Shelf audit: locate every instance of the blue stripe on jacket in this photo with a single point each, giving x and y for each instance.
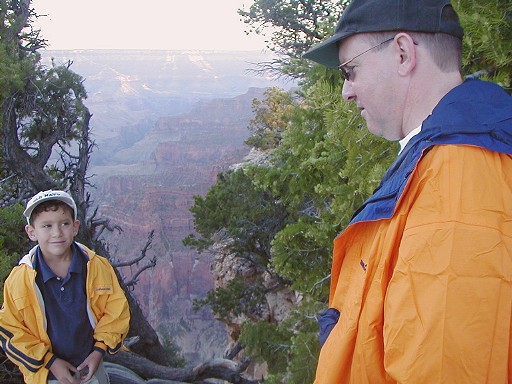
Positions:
(28, 362)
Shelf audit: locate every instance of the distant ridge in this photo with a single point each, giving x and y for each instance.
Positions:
(166, 123)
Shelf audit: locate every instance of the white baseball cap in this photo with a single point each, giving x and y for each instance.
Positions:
(48, 195)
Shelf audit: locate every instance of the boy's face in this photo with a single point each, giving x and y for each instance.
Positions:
(54, 231)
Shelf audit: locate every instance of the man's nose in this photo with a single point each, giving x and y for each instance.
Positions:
(347, 92)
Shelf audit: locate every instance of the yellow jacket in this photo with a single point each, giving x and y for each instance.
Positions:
(23, 321)
(426, 295)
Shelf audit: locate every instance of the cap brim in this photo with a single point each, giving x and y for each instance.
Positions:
(326, 53)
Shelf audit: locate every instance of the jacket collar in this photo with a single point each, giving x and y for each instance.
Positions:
(30, 258)
(475, 113)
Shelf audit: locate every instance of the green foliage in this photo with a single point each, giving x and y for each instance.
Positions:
(293, 26)
(322, 164)
(59, 103)
(267, 342)
(324, 168)
(247, 218)
(487, 39)
(173, 352)
(238, 297)
(13, 240)
(251, 218)
(305, 343)
(271, 118)
(16, 63)
(41, 111)
(290, 348)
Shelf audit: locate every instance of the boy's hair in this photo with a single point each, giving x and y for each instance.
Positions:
(50, 205)
(50, 195)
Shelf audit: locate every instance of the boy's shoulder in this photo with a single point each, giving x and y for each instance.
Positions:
(95, 259)
(20, 280)
(88, 251)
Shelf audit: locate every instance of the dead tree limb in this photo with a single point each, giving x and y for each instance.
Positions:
(141, 255)
(222, 369)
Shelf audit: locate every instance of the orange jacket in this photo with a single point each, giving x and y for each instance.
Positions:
(426, 296)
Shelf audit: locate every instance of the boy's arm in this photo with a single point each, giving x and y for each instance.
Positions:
(113, 326)
(18, 333)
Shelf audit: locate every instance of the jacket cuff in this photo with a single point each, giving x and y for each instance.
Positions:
(49, 358)
(327, 320)
(100, 347)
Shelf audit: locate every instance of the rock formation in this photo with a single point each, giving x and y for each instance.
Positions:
(178, 159)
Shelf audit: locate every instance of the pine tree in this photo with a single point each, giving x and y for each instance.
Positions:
(322, 164)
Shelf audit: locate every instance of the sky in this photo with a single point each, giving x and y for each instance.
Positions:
(145, 24)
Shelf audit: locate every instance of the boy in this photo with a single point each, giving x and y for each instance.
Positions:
(63, 305)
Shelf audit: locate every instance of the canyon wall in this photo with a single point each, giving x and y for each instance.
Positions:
(165, 124)
(178, 159)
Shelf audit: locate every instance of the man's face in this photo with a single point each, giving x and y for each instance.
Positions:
(54, 230)
(372, 84)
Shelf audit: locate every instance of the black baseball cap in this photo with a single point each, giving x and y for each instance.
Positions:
(434, 16)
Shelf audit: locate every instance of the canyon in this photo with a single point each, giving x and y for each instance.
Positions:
(166, 123)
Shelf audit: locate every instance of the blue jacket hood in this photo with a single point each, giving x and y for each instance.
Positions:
(475, 113)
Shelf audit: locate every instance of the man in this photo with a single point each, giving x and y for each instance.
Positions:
(421, 286)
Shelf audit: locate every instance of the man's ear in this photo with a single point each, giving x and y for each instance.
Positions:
(30, 232)
(406, 48)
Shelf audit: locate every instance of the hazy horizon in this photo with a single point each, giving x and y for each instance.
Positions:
(157, 24)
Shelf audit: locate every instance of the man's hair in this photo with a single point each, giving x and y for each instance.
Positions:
(445, 50)
(50, 205)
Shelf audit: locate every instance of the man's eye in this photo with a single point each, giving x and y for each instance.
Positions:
(347, 72)
(350, 71)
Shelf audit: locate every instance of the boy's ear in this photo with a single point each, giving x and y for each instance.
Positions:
(76, 225)
(30, 232)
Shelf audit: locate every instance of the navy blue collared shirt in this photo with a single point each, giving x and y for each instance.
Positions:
(65, 299)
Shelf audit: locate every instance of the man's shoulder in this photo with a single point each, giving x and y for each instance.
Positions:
(465, 154)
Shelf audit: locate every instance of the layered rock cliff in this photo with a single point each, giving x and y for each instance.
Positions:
(165, 124)
(179, 158)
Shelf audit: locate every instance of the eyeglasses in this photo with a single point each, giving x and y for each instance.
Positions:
(346, 72)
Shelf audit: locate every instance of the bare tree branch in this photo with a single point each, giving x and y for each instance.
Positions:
(142, 254)
(222, 369)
